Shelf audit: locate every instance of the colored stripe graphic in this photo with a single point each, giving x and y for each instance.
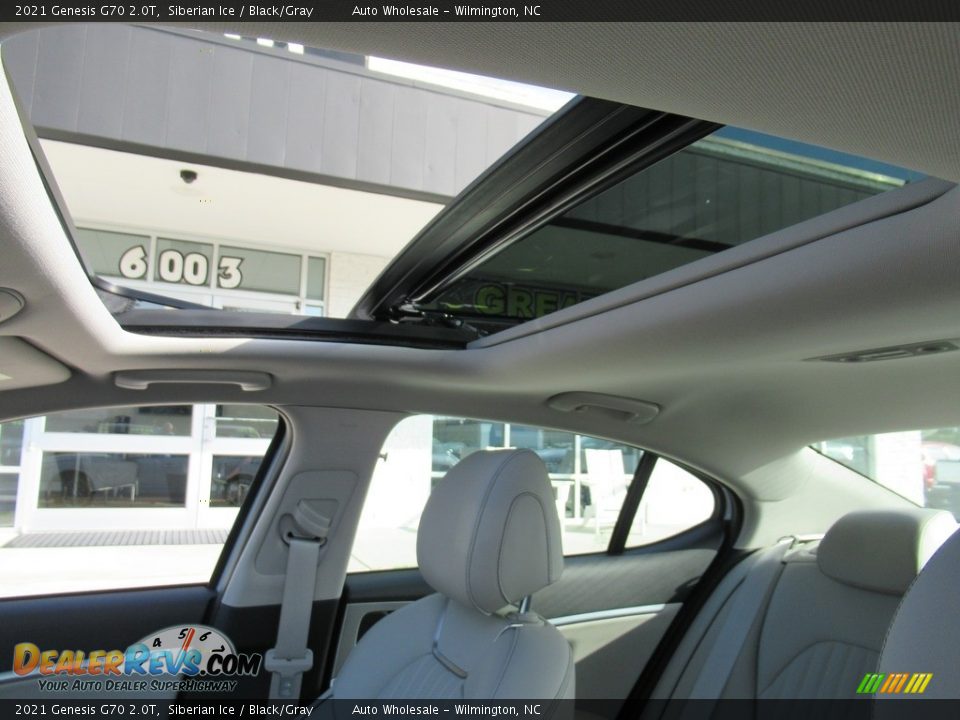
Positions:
(900, 684)
(870, 683)
(894, 683)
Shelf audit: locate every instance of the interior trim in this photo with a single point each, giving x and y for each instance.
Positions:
(612, 614)
(142, 379)
(22, 365)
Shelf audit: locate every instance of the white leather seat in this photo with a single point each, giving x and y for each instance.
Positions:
(489, 537)
(822, 624)
(925, 634)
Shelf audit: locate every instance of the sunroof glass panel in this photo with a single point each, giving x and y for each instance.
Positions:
(729, 188)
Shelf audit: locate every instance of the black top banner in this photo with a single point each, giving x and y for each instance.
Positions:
(527, 11)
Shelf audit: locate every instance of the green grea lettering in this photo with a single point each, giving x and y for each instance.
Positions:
(490, 300)
(521, 302)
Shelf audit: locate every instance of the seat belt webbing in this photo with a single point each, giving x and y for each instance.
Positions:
(290, 657)
(750, 596)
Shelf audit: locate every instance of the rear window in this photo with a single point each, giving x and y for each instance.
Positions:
(921, 465)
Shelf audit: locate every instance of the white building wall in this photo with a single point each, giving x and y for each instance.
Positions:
(349, 275)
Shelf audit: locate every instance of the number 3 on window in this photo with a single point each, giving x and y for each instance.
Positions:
(229, 275)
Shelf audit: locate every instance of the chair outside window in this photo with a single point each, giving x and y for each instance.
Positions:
(608, 487)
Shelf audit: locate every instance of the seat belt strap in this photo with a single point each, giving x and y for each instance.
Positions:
(748, 601)
(290, 657)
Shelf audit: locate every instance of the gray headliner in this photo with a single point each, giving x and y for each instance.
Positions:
(724, 356)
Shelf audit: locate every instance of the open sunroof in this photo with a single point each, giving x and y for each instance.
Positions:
(723, 190)
(219, 213)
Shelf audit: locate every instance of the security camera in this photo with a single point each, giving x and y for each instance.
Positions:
(188, 176)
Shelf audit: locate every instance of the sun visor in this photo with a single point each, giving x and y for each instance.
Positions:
(22, 365)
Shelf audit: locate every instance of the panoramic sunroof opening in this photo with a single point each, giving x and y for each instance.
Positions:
(224, 172)
(729, 188)
(244, 173)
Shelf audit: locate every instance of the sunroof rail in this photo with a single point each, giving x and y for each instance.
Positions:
(649, 143)
(210, 322)
(665, 193)
(581, 151)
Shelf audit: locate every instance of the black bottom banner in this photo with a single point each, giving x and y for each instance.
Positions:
(860, 709)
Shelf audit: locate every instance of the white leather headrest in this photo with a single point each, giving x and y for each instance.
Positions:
(490, 534)
(883, 550)
(924, 636)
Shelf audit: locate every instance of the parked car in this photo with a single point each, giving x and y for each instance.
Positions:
(941, 475)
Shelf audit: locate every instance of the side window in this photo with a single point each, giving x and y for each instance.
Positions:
(673, 501)
(590, 478)
(124, 497)
(922, 466)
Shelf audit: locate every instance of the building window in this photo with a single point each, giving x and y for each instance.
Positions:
(112, 480)
(161, 420)
(226, 276)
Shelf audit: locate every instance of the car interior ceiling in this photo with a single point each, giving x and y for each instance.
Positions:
(734, 353)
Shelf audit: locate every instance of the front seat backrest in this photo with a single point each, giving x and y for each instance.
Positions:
(489, 537)
(924, 636)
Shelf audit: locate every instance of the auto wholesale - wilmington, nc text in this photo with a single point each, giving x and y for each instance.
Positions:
(466, 11)
(481, 709)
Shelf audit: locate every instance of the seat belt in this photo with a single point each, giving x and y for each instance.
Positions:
(290, 657)
(750, 596)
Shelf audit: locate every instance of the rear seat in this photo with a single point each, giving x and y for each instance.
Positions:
(806, 619)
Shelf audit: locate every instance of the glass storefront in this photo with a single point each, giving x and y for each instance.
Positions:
(112, 480)
(225, 275)
(11, 443)
(246, 421)
(176, 466)
(163, 420)
(232, 478)
(9, 481)
(11, 438)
